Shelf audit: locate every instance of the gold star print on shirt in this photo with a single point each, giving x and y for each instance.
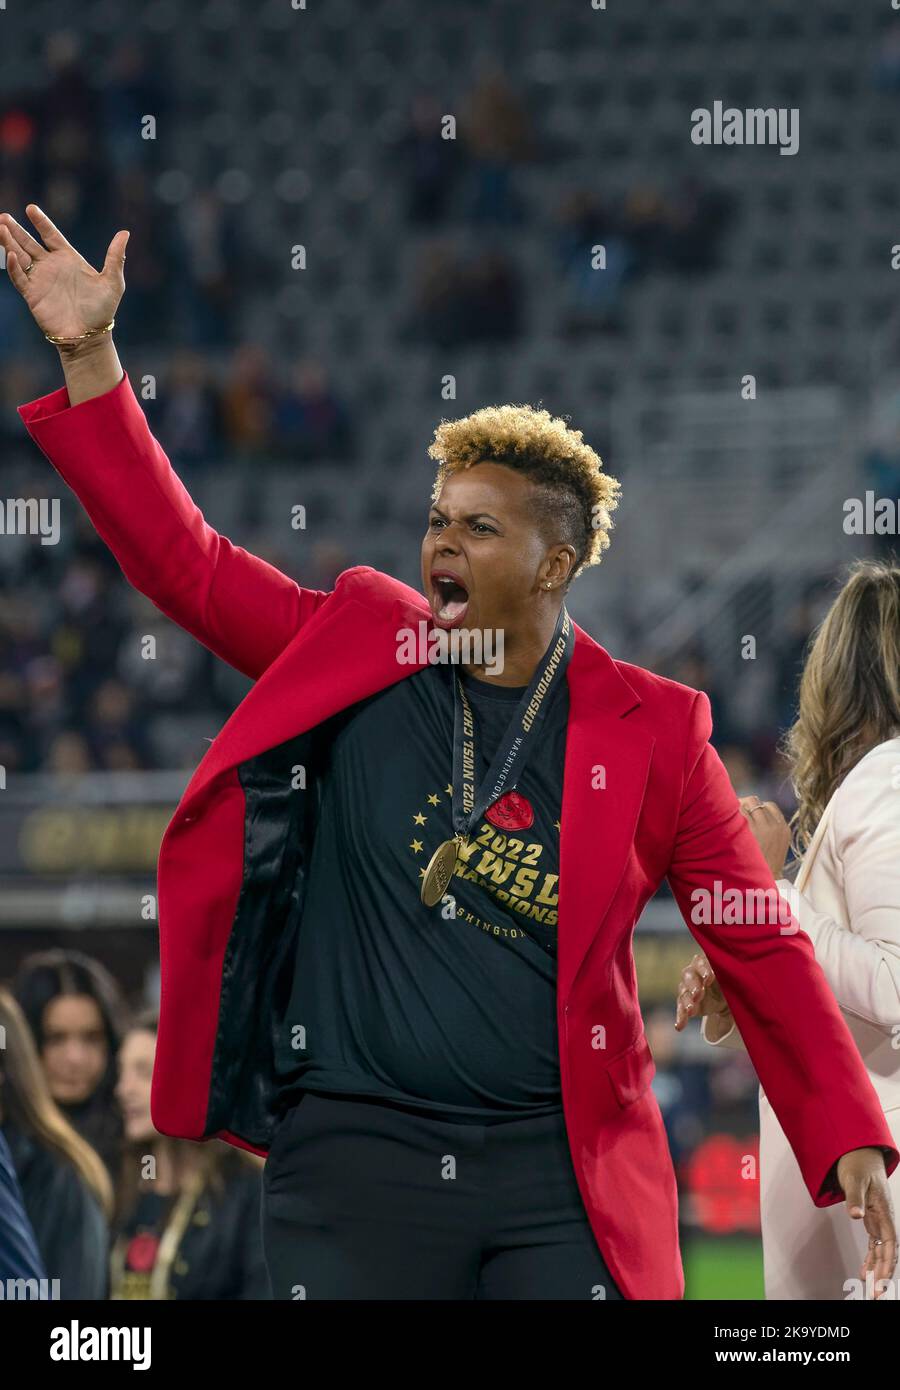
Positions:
(502, 864)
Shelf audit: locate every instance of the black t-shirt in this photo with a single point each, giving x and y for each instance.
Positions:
(453, 1007)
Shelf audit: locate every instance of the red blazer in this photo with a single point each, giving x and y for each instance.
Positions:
(663, 807)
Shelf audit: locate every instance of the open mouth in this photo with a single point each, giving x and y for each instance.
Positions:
(450, 598)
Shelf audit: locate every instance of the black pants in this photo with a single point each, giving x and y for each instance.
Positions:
(367, 1200)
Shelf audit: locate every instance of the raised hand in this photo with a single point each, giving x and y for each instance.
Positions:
(65, 294)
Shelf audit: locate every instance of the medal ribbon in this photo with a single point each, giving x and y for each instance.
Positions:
(468, 805)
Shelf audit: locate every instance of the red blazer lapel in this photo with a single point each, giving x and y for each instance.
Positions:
(607, 762)
(347, 652)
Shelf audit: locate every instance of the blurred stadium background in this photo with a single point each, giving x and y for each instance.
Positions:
(437, 275)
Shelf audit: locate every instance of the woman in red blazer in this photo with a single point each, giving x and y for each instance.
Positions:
(396, 907)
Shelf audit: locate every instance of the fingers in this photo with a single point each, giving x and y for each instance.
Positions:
(769, 810)
(704, 969)
(20, 237)
(885, 1263)
(52, 237)
(688, 1005)
(695, 980)
(881, 1258)
(692, 981)
(115, 255)
(15, 272)
(854, 1196)
(880, 1262)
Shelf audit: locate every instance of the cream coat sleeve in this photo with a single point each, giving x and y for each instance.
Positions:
(730, 1039)
(862, 964)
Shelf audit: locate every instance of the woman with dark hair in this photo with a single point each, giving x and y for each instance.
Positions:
(187, 1222)
(76, 1014)
(397, 899)
(843, 750)
(65, 1187)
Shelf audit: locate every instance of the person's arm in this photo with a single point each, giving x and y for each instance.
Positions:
(798, 1042)
(721, 1033)
(70, 1229)
(862, 965)
(96, 436)
(19, 1256)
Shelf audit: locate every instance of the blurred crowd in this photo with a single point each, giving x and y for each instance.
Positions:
(92, 1196)
(470, 288)
(73, 695)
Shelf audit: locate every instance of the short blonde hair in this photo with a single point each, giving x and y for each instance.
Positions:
(575, 497)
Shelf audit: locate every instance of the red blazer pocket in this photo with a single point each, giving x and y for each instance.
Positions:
(632, 1071)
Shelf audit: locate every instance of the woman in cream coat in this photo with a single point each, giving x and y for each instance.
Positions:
(844, 754)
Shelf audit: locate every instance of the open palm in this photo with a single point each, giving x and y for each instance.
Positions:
(65, 294)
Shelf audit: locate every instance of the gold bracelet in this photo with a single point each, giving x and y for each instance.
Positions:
(90, 333)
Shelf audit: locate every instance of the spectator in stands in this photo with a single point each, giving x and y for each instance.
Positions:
(71, 145)
(432, 163)
(133, 90)
(697, 216)
(187, 1220)
(328, 560)
(206, 258)
(740, 767)
(693, 668)
(438, 313)
(498, 135)
(681, 1086)
(88, 629)
(592, 292)
(789, 656)
(311, 421)
(27, 672)
(114, 732)
(886, 68)
(248, 400)
(76, 1014)
(187, 410)
(65, 1187)
(18, 751)
(151, 254)
(461, 300)
(68, 754)
(645, 224)
(493, 298)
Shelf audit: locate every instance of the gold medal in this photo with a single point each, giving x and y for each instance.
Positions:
(439, 871)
